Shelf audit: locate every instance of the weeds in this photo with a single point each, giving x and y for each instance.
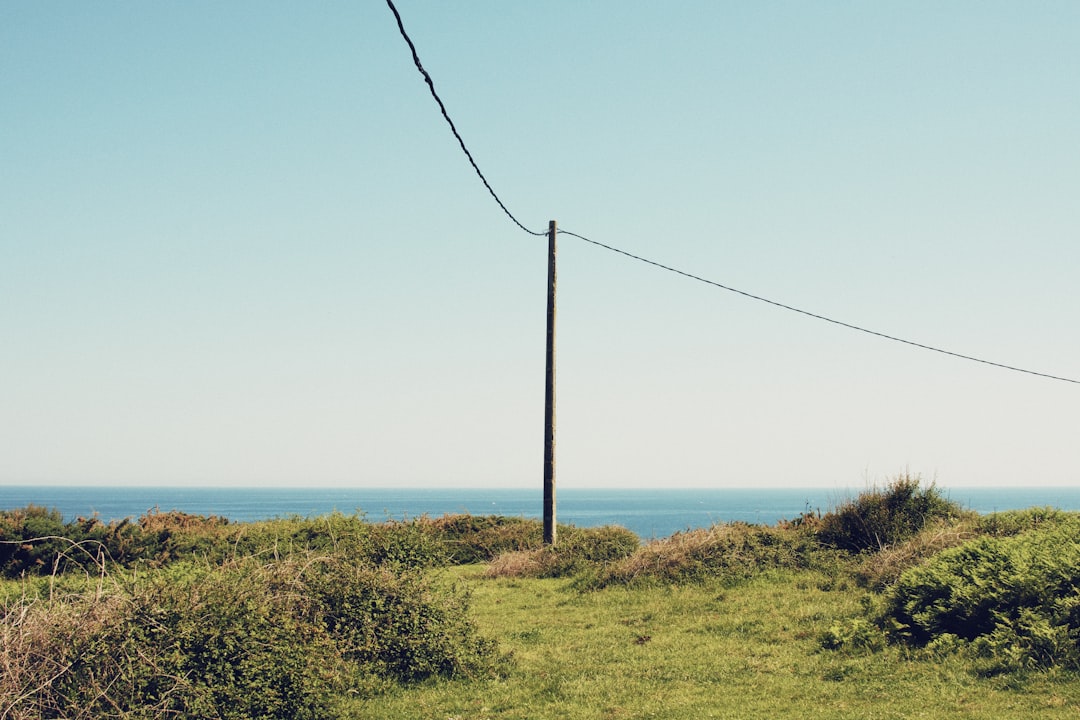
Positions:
(250, 638)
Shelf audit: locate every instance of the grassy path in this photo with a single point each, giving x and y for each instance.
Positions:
(751, 651)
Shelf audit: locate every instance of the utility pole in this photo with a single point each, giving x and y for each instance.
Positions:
(549, 399)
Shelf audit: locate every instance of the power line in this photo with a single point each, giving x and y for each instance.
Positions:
(461, 141)
(445, 114)
(815, 315)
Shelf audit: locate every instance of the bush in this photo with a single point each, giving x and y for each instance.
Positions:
(879, 518)
(18, 555)
(470, 539)
(397, 624)
(34, 540)
(857, 636)
(1014, 522)
(249, 639)
(1017, 597)
(166, 537)
(880, 569)
(211, 643)
(578, 550)
(37, 541)
(731, 552)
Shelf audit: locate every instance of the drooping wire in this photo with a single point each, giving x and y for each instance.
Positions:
(814, 315)
(472, 161)
(453, 128)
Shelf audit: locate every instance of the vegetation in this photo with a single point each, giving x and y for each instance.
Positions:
(883, 517)
(895, 601)
(580, 551)
(706, 650)
(249, 638)
(1013, 601)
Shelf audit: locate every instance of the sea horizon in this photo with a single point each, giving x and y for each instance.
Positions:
(648, 512)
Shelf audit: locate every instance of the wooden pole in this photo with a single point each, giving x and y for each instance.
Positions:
(549, 399)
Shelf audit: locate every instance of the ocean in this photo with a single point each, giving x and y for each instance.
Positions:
(648, 513)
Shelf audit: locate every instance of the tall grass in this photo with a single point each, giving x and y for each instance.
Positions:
(881, 517)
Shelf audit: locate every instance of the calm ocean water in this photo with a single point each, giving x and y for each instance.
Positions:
(649, 513)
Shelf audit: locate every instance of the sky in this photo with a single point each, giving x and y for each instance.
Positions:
(239, 245)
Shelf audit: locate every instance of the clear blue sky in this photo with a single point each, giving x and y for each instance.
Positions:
(239, 246)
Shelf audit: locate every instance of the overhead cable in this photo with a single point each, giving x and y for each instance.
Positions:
(815, 315)
(461, 142)
(446, 115)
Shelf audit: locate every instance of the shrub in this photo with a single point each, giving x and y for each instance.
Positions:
(1029, 641)
(578, 550)
(1014, 522)
(166, 537)
(879, 570)
(516, 564)
(37, 541)
(211, 643)
(480, 538)
(879, 518)
(1018, 596)
(391, 543)
(731, 552)
(857, 636)
(396, 624)
(248, 639)
(31, 540)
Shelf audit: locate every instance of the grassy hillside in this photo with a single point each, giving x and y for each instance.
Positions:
(896, 604)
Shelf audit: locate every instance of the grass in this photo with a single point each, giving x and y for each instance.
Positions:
(705, 650)
(335, 617)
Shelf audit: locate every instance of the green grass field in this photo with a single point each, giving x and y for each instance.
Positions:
(706, 651)
(897, 604)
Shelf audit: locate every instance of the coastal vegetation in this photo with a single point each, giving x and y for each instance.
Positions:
(895, 603)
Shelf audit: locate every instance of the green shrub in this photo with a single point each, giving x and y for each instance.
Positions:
(857, 636)
(1014, 522)
(879, 518)
(396, 544)
(468, 539)
(880, 569)
(578, 550)
(604, 544)
(1018, 596)
(206, 643)
(37, 541)
(1030, 640)
(396, 624)
(731, 552)
(34, 540)
(581, 549)
(244, 640)
(173, 536)
(31, 540)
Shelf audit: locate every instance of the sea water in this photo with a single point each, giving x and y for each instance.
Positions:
(648, 513)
